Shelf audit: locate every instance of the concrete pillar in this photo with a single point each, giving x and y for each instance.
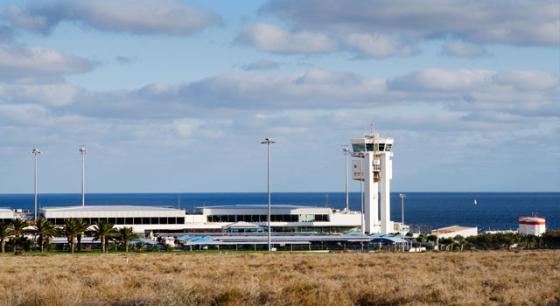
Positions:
(385, 184)
(371, 201)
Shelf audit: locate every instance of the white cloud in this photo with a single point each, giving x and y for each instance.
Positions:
(133, 16)
(443, 80)
(518, 92)
(462, 49)
(271, 38)
(377, 45)
(17, 62)
(529, 80)
(53, 94)
(32, 115)
(191, 124)
(524, 22)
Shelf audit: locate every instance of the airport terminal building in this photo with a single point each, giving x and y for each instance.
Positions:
(211, 219)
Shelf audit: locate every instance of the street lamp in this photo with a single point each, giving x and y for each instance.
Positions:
(83, 152)
(35, 152)
(268, 142)
(402, 196)
(346, 152)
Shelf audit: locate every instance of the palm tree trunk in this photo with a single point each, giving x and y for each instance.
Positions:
(102, 244)
(126, 246)
(15, 244)
(3, 245)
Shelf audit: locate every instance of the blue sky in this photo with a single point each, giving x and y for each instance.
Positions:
(175, 96)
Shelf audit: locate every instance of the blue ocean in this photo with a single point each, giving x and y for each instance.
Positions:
(425, 209)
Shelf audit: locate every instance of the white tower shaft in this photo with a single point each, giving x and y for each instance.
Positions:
(386, 176)
(371, 198)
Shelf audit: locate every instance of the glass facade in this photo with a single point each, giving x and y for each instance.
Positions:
(371, 147)
(127, 220)
(358, 147)
(263, 218)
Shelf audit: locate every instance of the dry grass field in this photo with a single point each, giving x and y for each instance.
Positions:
(480, 278)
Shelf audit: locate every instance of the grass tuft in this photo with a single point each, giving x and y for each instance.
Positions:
(469, 278)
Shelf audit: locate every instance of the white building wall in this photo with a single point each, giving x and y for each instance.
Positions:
(466, 232)
(345, 219)
(532, 229)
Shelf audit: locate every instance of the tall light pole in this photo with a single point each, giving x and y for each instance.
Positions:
(402, 196)
(268, 142)
(83, 152)
(346, 152)
(35, 152)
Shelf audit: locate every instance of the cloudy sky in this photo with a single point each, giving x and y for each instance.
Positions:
(175, 96)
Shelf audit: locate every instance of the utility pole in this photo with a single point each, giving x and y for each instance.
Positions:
(346, 152)
(83, 152)
(402, 196)
(35, 152)
(268, 142)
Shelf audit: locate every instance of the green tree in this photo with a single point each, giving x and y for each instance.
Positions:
(460, 241)
(81, 227)
(5, 234)
(44, 230)
(125, 235)
(445, 243)
(103, 231)
(551, 239)
(19, 229)
(72, 228)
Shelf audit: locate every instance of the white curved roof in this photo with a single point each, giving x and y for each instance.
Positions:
(6, 213)
(103, 211)
(93, 208)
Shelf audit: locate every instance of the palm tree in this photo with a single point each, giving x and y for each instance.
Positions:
(18, 230)
(5, 233)
(72, 228)
(44, 230)
(125, 235)
(81, 227)
(460, 240)
(102, 231)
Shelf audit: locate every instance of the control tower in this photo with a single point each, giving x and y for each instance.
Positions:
(374, 166)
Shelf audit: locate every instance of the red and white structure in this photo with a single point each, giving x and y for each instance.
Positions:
(532, 226)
